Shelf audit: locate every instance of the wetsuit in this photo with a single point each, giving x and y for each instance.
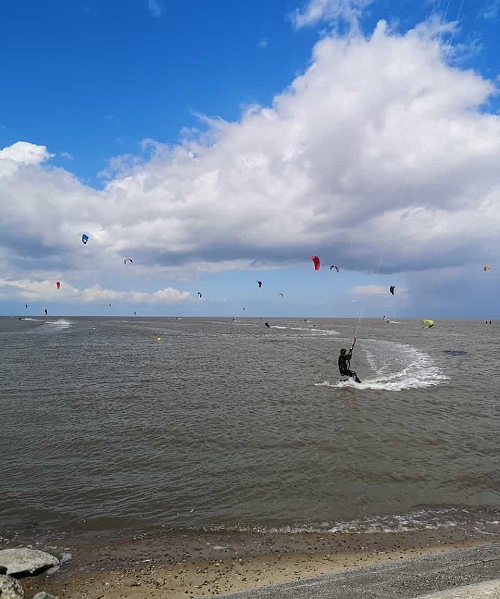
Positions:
(344, 366)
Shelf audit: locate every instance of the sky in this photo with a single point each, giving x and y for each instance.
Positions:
(217, 144)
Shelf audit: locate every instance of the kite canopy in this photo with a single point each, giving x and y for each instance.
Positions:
(85, 238)
(392, 288)
(58, 284)
(316, 261)
(486, 267)
(335, 267)
(427, 323)
(128, 260)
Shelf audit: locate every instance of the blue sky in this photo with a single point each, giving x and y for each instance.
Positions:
(219, 144)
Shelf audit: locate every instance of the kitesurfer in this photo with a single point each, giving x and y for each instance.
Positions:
(345, 364)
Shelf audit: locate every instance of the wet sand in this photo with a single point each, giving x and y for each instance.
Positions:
(198, 565)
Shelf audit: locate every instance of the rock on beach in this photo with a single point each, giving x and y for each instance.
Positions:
(22, 561)
(10, 588)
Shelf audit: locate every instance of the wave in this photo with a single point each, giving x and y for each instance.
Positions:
(61, 323)
(483, 522)
(397, 366)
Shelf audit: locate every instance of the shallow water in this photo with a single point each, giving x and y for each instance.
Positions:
(230, 425)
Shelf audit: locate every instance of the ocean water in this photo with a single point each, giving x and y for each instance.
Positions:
(130, 426)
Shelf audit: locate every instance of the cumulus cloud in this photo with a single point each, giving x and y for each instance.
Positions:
(25, 153)
(21, 153)
(381, 153)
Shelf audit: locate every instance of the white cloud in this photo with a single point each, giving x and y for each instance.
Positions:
(19, 154)
(369, 290)
(47, 290)
(155, 7)
(23, 152)
(490, 10)
(381, 154)
(315, 11)
(263, 43)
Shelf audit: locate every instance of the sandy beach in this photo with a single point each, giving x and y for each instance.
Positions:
(206, 564)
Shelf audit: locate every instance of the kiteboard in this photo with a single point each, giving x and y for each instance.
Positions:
(351, 378)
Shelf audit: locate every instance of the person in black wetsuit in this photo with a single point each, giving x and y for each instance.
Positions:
(345, 364)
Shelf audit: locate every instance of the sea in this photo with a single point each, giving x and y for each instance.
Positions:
(122, 427)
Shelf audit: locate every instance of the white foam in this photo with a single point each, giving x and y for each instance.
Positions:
(59, 324)
(397, 366)
(418, 520)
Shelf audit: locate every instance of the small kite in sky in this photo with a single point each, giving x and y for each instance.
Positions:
(85, 238)
(260, 284)
(335, 267)
(316, 261)
(128, 260)
(199, 294)
(486, 267)
(58, 284)
(392, 288)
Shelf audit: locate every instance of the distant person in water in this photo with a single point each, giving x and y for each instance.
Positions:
(345, 364)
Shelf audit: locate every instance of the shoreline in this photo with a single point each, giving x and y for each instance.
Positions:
(203, 564)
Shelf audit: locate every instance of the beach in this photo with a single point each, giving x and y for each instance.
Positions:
(207, 564)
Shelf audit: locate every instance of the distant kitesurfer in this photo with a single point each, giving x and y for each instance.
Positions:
(345, 364)
(267, 324)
